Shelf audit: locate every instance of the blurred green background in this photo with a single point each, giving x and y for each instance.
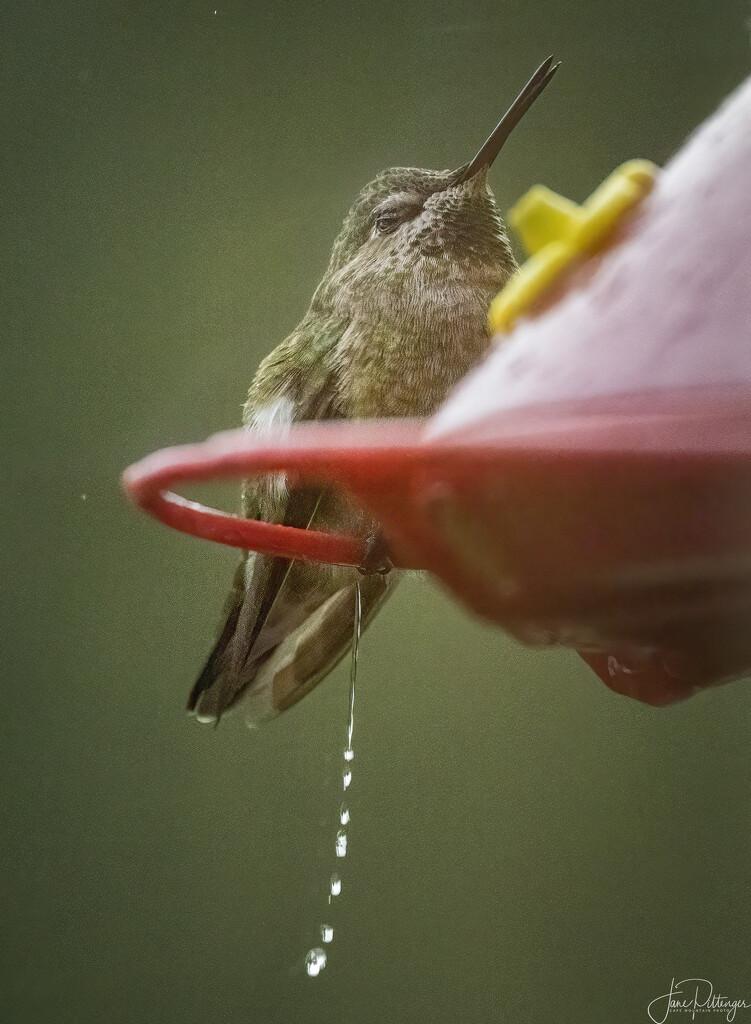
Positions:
(525, 845)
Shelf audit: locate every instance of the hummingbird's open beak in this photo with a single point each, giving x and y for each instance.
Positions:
(508, 122)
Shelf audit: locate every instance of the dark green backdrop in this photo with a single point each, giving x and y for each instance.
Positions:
(525, 845)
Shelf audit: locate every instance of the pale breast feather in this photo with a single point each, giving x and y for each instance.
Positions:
(274, 418)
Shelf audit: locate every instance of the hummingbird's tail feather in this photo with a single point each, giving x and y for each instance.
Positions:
(306, 655)
(300, 642)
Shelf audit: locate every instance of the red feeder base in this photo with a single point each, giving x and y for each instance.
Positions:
(624, 533)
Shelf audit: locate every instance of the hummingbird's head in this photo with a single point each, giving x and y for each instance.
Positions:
(407, 213)
(411, 233)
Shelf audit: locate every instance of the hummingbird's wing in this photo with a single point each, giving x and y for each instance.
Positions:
(254, 589)
(307, 653)
(287, 623)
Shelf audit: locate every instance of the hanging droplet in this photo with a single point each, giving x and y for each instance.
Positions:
(356, 627)
(315, 961)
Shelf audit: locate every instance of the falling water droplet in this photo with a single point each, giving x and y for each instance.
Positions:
(315, 961)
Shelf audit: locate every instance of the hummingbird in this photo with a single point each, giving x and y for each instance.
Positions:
(398, 319)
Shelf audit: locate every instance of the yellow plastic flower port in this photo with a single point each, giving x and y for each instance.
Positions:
(555, 232)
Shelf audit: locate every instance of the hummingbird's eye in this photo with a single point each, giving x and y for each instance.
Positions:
(388, 221)
(395, 211)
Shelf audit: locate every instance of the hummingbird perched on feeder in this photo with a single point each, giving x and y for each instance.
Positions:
(398, 319)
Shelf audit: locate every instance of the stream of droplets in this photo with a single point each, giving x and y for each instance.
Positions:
(316, 958)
